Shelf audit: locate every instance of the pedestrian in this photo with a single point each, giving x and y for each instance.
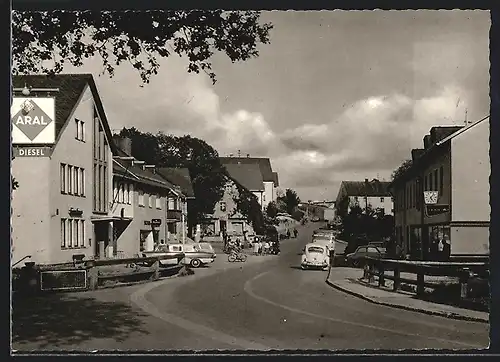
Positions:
(288, 234)
(295, 233)
(446, 247)
(260, 247)
(440, 247)
(266, 247)
(256, 246)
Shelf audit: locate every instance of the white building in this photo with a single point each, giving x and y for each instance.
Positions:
(374, 194)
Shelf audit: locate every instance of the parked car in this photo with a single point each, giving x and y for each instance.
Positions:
(356, 259)
(198, 254)
(195, 254)
(315, 256)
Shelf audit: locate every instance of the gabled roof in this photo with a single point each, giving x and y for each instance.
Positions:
(71, 88)
(179, 177)
(361, 188)
(136, 173)
(460, 131)
(263, 162)
(246, 174)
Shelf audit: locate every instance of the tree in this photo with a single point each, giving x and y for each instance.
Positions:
(406, 165)
(272, 210)
(202, 160)
(137, 37)
(248, 205)
(290, 200)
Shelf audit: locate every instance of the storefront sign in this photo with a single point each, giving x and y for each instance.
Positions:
(156, 222)
(33, 120)
(147, 222)
(433, 210)
(31, 151)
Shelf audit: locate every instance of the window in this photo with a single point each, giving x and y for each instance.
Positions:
(441, 180)
(74, 181)
(381, 199)
(63, 178)
(115, 190)
(150, 201)
(222, 206)
(121, 194)
(172, 204)
(72, 233)
(435, 180)
(81, 188)
(70, 180)
(80, 130)
(158, 202)
(100, 169)
(430, 182)
(141, 198)
(128, 197)
(172, 228)
(425, 184)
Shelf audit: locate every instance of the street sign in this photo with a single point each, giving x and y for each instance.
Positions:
(433, 210)
(156, 222)
(27, 151)
(33, 120)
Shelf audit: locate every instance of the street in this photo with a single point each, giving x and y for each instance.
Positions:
(266, 303)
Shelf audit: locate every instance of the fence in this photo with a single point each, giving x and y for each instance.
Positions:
(463, 270)
(86, 275)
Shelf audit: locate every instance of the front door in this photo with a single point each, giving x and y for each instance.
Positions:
(101, 230)
(223, 226)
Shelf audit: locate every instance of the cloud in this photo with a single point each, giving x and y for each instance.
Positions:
(176, 102)
(369, 139)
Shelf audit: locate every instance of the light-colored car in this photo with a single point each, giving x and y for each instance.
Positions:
(195, 254)
(356, 259)
(315, 256)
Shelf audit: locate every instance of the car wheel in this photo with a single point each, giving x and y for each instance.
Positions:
(195, 263)
(355, 263)
(243, 257)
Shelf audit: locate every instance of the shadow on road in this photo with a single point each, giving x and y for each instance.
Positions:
(59, 320)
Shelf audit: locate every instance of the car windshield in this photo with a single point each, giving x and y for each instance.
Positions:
(315, 249)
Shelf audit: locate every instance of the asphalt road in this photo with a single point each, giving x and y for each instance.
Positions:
(275, 305)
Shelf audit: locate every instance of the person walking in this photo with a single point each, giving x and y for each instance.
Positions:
(266, 247)
(256, 246)
(295, 233)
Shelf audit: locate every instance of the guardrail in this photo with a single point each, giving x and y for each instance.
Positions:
(463, 270)
(62, 276)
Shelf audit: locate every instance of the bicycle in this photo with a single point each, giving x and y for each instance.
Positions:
(235, 256)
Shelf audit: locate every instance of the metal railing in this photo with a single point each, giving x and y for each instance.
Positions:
(463, 270)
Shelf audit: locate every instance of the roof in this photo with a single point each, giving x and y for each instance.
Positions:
(362, 188)
(179, 177)
(135, 172)
(247, 175)
(263, 162)
(71, 88)
(460, 131)
(276, 180)
(444, 136)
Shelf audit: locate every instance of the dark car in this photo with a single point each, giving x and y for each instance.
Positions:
(356, 259)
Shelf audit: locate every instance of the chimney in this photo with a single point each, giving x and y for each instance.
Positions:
(123, 143)
(427, 141)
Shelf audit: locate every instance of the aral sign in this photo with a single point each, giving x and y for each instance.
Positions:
(33, 120)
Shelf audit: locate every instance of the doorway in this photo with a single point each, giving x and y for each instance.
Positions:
(223, 227)
(101, 237)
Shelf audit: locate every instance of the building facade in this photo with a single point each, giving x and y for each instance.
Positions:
(62, 206)
(454, 164)
(261, 165)
(226, 217)
(373, 194)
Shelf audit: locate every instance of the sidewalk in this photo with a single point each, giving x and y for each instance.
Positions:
(348, 281)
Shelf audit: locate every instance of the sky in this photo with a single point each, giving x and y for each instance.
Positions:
(336, 95)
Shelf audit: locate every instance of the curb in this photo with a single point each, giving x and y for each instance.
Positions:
(412, 309)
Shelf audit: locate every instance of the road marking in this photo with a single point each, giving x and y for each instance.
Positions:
(138, 297)
(248, 289)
